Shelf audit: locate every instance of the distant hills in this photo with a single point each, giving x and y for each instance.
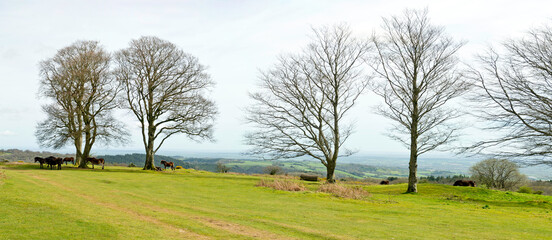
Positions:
(356, 166)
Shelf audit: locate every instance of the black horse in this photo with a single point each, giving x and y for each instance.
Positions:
(40, 160)
(464, 183)
(51, 160)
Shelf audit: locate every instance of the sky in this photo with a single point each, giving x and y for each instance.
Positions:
(235, 40)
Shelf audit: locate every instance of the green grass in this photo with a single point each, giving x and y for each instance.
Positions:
(128, 203)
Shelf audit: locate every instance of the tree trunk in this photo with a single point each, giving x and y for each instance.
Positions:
(413, 164)
(80, 155)
(149, 165)
(84, 161)
(149, 159)
(85, 155)
(413, 168)
(330, 168)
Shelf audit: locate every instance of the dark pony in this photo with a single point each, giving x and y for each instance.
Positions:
(69, 159)
(168, 164)
(464, 183)
(96, 161)
(40, 160)
(51, 161)
(384, 182)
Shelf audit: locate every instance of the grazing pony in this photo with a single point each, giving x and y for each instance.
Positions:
(51, 161)
(168, 164)
(40, 160)
(96, 161)
(384, 182)
(464, 183)
(69, 159)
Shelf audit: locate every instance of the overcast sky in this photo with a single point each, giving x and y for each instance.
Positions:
(235, 39)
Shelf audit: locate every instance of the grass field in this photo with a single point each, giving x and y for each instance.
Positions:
(128, 203)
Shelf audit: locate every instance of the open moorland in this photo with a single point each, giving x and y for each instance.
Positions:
(128, 203)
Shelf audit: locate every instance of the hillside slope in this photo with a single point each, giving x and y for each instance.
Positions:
(128, 203)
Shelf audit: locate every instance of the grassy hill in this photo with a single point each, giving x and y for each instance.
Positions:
(128, 203)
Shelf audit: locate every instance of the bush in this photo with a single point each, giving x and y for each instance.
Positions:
(525, 189)
(282, 184)
(179, 167)
(221, 168)
(538, 192)
(131, 165)
(343, 191)
(497, 174)
(272, 170)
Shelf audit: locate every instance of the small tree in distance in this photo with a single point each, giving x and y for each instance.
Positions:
(301, 107)
(222, 168)
(165, 88)
(497, 174)
(272, 170)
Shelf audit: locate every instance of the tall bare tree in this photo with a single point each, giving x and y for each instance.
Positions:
(515, 98)
(165, 89)
(301, 106)
(83, 91)
(416, 63)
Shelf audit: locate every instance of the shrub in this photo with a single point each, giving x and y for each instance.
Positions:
(131, 165)
(272, 170)
(179, 167)
(498, 174)
(525, 189)
(538, 192)
(221, 168)
(343, 191)
(282, 184)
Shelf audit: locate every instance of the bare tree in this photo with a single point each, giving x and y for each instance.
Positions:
(165, 89)
(83, 91)
(301, 107)
(515, 98)
(497, 173)
(416, 63)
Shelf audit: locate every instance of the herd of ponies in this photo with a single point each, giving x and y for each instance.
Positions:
(52, 161)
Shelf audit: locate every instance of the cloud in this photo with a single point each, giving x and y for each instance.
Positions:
(7, 133)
